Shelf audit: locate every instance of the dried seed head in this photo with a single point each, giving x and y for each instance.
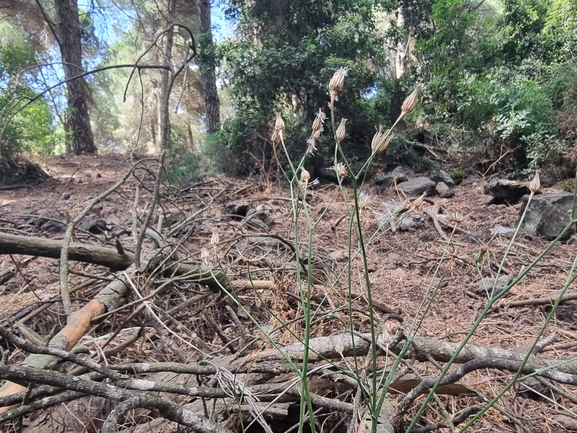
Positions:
(457, 217)
(380, 143)
(275, 137)
(339, 344)
(279, 123)
(340, 134)
(214, 239)
(535, 184)
(418, 202)
(401, 210)
(337, 82)
(364, 200)
(267, 331)
(305, 177)
(319, 120)
(411, 102)
(311, 148)
(377, 138)
(317, 133)
(341, 169)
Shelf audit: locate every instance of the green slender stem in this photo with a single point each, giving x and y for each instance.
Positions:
(570, 279)
(484, 312)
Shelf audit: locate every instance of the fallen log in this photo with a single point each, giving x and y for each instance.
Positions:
(111, 258)
(36, 246)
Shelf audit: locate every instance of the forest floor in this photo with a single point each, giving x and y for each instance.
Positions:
(405, 268)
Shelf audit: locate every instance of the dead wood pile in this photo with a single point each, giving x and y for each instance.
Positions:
(187, 310)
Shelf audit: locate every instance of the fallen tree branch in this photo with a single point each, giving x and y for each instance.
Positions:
(477, 364)
(164, 407)
(422, 349)
(36, 246)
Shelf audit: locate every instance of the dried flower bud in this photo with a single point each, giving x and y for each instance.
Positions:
(411, 102)
(457, 217)
(535, 184)
(378, 144)
(317, 133)
(364, 200)
(311, 148)
(205, 256)
(337, 82)
(418, 202)
(340, 134)
(214, 239)
(275, 138)
(305, 177)
(319, 120)
(279, 123)
(377, 138)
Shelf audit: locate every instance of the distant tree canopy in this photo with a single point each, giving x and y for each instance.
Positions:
(497, 74)
(285, 52)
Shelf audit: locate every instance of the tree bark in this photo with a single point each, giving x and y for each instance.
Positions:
(207, 65)
(69, 41)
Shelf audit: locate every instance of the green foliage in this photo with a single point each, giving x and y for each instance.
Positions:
(187, 165)
(459, 175)
(285, 55)
(25, 127)
(496, 74)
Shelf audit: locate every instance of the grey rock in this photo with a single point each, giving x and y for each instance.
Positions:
(327, 174)
(238, 208)
(437, 173)
(400, 173)
(410, 157)
(417, 186)
(505, 191)
(94, 226)
(52, 226)
(487, 200)
(443, 190)
(383, 180)
(547, 214)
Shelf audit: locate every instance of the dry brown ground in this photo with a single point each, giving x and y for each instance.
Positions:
(403, 264)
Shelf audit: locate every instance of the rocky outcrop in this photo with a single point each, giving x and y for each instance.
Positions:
(505, 191)
(548, 214)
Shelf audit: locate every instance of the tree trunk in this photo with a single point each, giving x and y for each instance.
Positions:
(165, 88)
(401, 47)
(69, 40)
(207, 65)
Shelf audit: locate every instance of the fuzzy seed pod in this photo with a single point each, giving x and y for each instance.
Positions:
(311, 148)
(319, 120)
